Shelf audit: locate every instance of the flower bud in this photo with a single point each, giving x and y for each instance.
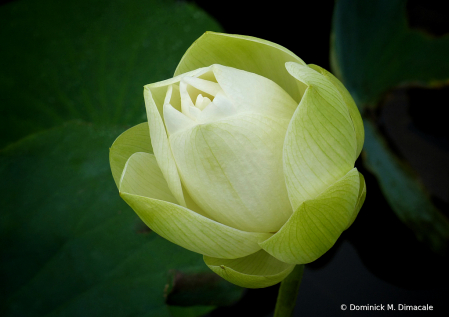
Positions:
(253, 162)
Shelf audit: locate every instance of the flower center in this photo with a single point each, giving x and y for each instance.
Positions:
(202, 100)
(211, 103)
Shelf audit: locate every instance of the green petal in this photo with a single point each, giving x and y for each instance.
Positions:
(144, 188)
(360, 199)
(135, 139)
(143, 177)
(316, 225)
(253, 271)
(320, 144)
(232, 168)
(353, 110)
(246, 53)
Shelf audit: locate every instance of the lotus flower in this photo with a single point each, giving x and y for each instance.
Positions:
(251, 162)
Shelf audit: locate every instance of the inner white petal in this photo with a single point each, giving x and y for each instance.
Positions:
(194, 112)
(208, 75)
(220, 108)
(199, 100)
(176, 121)
(224, 104)
(186, 101)
(168, 94)
(208, 87)
(233, 169)
(211, 113)
(202, 102)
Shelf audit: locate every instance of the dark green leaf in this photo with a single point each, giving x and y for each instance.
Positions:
(404, 193)
(70, 246)
(87, 59)
(375, 50)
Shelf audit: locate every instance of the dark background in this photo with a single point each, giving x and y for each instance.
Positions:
(301, 26)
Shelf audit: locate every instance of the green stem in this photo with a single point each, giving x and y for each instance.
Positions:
(288, 292)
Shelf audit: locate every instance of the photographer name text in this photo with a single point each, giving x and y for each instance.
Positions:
(386, 307)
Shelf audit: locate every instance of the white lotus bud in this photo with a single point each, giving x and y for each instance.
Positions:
(253, 163)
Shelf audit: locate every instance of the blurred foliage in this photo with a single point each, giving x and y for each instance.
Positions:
(70, 245)
(89, 60)
(374, 50)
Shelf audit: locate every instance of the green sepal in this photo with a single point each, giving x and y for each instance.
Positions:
(316, 225)
(253, 271)
(320, 144)
(352, 107)
(135, 139)
(360, 200)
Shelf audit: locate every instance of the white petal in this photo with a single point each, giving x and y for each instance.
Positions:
(144, 188)
(232, 169)
(199, 100)
(186, 101)
(220, 108)
(210, 113)
(176, 121)
(204, 85)
(203, 102)
(168, 95)
(159, 90)
(161, 145)
(243, 52)
(194, 112)
(225, 105)
(252, 92)
(155, 95)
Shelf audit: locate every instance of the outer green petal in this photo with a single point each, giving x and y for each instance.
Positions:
(360, 200)
(320, 144)
(253, 271)
(353, 110)
(316, 225)
(232, 168)
(143, 177)
(144, 188)
(243, 52)
(135, 139)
